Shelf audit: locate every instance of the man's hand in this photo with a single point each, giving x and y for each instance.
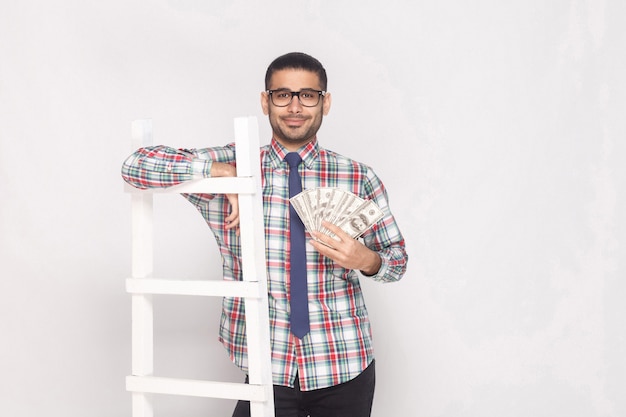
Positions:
(220, 169)
(347, 252)
(232, 220)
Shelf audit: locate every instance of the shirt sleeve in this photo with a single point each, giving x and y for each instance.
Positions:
(162, 166)
(385, 237)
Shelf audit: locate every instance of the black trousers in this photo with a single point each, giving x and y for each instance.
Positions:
(350, 399)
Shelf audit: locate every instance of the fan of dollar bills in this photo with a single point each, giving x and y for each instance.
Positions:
(351, 213)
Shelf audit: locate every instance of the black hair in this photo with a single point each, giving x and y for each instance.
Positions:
(297, 60)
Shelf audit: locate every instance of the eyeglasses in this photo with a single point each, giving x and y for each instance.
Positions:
(308, 97)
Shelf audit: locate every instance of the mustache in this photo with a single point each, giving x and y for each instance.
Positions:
(295, 116)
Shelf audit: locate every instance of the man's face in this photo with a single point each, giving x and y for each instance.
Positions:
(294, 125)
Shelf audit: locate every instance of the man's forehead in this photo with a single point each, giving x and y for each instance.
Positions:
(294, 79)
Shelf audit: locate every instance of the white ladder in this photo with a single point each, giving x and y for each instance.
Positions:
(142, 383)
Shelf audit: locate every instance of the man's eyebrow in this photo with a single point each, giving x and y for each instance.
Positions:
(289, 89)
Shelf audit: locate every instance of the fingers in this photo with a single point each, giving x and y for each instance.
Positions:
(344, 250)
(232, 220)
(323, 243)
(338, 231)
(326, 244)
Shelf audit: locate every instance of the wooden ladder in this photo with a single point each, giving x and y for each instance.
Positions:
(142, 382)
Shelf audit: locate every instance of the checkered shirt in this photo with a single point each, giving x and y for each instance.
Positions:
(339, 346)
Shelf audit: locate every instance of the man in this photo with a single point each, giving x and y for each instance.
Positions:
(326, 367)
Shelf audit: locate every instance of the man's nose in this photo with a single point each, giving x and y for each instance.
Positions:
(295, 106)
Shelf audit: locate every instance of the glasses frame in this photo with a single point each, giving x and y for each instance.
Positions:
(320, 94)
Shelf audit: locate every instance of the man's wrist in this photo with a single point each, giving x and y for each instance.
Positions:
(373, 266)
(220, 169)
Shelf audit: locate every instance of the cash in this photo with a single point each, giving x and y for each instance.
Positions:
(344, 209)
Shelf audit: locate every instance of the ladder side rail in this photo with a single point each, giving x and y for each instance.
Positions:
(254, 265)
(142, 266)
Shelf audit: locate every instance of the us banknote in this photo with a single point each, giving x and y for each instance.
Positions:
(342, 208)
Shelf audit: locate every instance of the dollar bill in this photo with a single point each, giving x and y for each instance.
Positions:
(300, 205)
(361, 219)
(351, 213)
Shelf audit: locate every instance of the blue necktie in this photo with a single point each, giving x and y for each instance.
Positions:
(299, 298)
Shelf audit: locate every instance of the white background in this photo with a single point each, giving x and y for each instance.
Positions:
(497, 126)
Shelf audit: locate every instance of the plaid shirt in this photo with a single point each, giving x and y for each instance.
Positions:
(339, 345)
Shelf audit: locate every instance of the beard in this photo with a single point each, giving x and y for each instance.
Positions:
(295, 135)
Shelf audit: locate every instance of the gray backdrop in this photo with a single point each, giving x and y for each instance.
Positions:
(497, 126)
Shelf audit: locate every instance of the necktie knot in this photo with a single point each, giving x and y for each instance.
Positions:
(293, 159)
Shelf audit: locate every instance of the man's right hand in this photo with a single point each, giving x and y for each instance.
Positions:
(220, 169)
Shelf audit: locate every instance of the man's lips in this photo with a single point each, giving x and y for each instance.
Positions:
(294, 121)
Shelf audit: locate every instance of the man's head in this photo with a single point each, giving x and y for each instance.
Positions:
(295, 99)
(359, 223)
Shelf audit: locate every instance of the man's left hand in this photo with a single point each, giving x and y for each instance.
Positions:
(347, 252)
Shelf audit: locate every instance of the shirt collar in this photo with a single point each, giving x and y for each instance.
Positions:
(308, 153)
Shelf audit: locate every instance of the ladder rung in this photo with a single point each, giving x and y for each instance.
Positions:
(195, 388)
(215, 288)
(221, 185)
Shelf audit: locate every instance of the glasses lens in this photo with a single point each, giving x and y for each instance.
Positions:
(281, 97)
(308, 98)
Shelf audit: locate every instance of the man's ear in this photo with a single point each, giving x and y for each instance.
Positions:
(326, 104)
(265, 102)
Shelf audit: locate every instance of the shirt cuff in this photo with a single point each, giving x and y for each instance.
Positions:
(382, 271)
(200, 168)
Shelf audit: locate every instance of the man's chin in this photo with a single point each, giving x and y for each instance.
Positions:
(296, 135)
(298, 141)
